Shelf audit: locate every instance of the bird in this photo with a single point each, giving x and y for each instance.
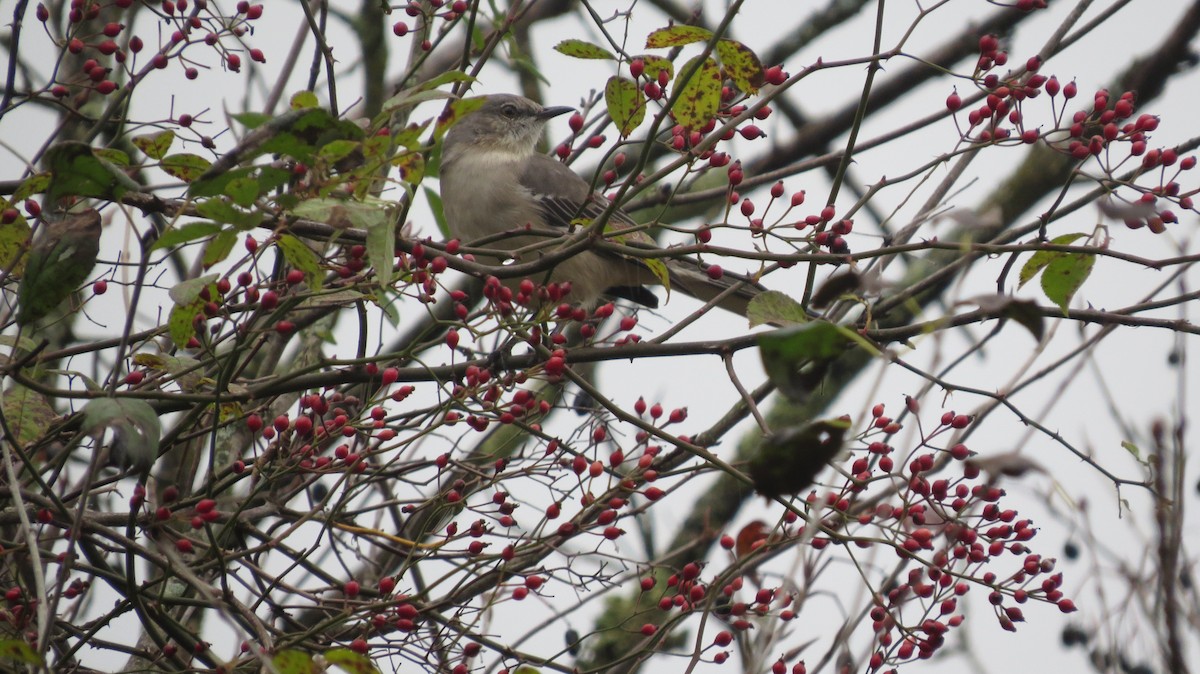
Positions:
(494, 181)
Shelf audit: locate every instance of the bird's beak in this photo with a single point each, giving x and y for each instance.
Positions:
(550, 113)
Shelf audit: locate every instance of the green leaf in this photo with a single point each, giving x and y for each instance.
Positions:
(14, 237)
(294, 662)
(78, 172)
(774, 307)
(113, 156)
(786, 352)
(791, 458)
(185, 233)
(219, 247)
(301, 257)
(1133, 450)
(1063, 277)
(439, 215)
(626, 104)
(181, 323)
(154, 145)
(222, 211)
(581, 49)
(1025, 312)
(15, 649)
(243, 190)
(187, 292)
(381, 249)
(187, 167)
(135, 425)
(303, 100)
(251, 120)
(60, 259)
(741, 65)
(27, 413)
(700, 95)
(1044, 257)
(338, 149)
(677, 36)
(34, 184)
(411, 165)
(457, 110)
(355, 663)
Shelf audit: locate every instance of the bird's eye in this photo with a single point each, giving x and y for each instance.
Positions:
(509, 110)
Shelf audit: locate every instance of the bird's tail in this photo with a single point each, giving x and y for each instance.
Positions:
(693, 278)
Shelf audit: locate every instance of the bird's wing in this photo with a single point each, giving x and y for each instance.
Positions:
(564, 198)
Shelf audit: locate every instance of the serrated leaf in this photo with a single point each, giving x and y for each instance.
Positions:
(301, 257)
(677, 36)
(154, 145)
(741, 65)
(135, 426)
(15, 649)
(1063, 277)
(699, 96)
(187, 292)
(182, 234)
(774, 307)
(1044, 257)
(303, 100)
(27, 413)
(626, 104)
(582, 49)
(219, 247)
(185, 166)
(787, 351)
(294, 662)
(355, 663)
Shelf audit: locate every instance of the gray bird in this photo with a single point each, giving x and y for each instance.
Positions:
(494, 181)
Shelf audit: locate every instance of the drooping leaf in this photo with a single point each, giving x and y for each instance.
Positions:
(381, 248)
(791, 355)
(655, 64)
(698, 96)
(1025, 312)
(77, 171)
(581, 49)
(301, 257)
(677, 36)
(774, 307)
(251, 120)
(27, 413)
(219, 247)
(337, 149)
(626, 104)
(60, 259)
(186, 233)
(185, 166)
(221, 210)
(134, 424)
(741, 65)
(1040, 259)
(154, 145)
(34, 184)
(14, 237)
(181, 323)
(791, 458)
(1063, 277)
